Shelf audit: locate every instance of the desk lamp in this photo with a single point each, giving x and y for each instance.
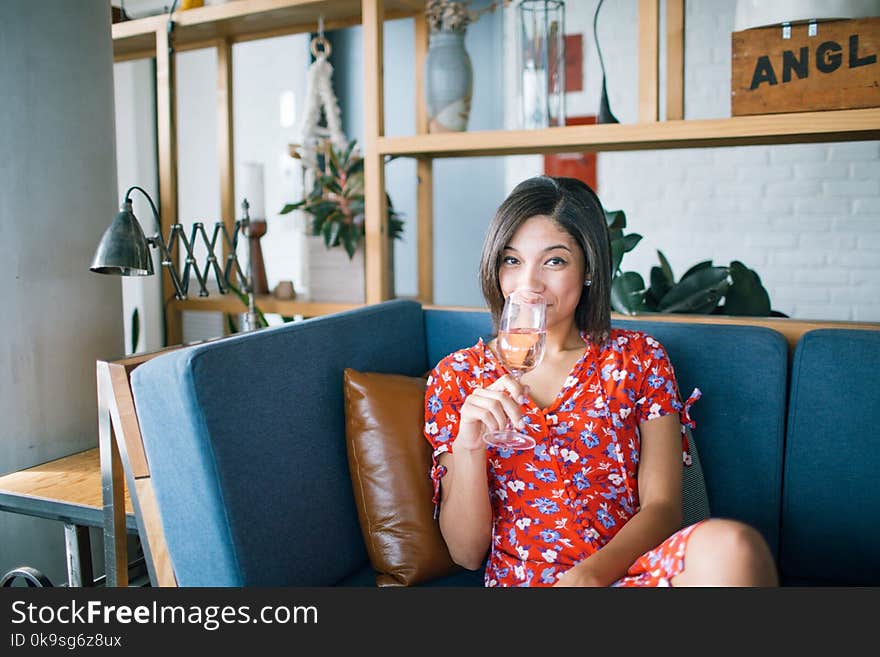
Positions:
(124, 250)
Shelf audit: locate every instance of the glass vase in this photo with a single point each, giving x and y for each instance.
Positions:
(542, 63)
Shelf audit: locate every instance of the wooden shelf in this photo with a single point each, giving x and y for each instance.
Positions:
(244, 20)
(802, 127)
(229, 303)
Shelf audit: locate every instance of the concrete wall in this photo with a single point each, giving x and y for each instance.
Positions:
(57, 195)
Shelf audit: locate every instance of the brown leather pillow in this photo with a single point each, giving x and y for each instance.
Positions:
(390, 462)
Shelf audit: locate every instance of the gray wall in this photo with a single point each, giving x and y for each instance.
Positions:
(57, 195)
(466, 191)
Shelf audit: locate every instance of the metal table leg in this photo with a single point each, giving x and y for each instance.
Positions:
(78, 546)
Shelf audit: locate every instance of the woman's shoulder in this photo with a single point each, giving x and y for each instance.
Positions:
(634, 340)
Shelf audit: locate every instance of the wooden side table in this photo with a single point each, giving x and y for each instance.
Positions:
(69, 490)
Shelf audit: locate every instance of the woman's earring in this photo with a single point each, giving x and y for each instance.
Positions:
(588, 283)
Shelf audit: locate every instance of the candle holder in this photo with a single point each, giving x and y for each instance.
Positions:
(255, 229)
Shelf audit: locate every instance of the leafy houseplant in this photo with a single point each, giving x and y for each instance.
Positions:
(336, 200)
(700, 290)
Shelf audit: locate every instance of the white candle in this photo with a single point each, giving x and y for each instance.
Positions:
(251, 176)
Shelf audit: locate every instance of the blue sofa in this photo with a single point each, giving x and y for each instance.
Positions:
(245, 438)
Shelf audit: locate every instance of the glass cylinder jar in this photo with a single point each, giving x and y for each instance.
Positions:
(542, 63)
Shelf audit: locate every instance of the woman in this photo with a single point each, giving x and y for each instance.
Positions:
(598, 500)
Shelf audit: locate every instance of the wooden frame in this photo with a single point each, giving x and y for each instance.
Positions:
(649, 61)
(674, 60)
(124, 465)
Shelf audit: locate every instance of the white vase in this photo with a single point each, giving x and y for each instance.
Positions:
(333, 277)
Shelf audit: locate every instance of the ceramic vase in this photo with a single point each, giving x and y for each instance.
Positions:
(448, 82)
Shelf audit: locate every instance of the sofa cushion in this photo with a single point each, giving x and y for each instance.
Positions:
(742, 372)
(831, 500)
(389, 462)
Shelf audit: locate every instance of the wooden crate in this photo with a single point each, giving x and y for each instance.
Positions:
(837, 68)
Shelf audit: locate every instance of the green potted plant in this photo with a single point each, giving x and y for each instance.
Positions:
(703, 289)
(336, 201)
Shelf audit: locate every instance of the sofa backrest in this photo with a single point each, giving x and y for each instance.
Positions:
(245, 442)
(742, 372)
(831, 504)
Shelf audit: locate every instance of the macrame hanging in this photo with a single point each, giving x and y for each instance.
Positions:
(319, 96)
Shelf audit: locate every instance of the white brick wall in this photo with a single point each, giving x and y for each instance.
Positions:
(806, 217)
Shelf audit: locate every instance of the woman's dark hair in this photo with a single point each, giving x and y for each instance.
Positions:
(576, 209)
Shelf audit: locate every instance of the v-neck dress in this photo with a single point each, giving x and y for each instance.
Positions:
(555, 505)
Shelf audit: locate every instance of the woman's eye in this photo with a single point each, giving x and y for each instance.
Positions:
(509, 260)
(556, 262)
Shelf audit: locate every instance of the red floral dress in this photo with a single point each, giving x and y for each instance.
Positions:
(557, 504)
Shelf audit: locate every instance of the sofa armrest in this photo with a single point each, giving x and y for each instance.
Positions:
(245, 438)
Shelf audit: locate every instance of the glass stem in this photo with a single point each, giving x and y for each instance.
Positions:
(516, 375)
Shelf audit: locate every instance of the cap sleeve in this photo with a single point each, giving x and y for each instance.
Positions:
(448, 386)
(659, 394)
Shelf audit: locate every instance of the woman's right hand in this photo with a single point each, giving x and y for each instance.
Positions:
(489, 409)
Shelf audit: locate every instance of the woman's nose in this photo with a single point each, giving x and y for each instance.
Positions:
(531, 280)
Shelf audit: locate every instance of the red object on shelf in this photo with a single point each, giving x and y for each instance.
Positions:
(574, 62)
(574, 165)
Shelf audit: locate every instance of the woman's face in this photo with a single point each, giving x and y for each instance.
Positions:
(544, 259)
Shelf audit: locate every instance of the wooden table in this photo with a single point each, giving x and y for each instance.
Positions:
(67, 489)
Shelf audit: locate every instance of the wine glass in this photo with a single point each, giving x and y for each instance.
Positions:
(522, 335)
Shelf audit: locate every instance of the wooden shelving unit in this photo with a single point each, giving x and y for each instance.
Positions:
(220, 27)
(243, 20)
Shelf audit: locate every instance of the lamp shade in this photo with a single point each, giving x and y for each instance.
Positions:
(123, 249)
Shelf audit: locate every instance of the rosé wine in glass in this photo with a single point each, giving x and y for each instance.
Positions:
(522, 336)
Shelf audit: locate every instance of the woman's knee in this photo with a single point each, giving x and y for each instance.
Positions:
(730, 552)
